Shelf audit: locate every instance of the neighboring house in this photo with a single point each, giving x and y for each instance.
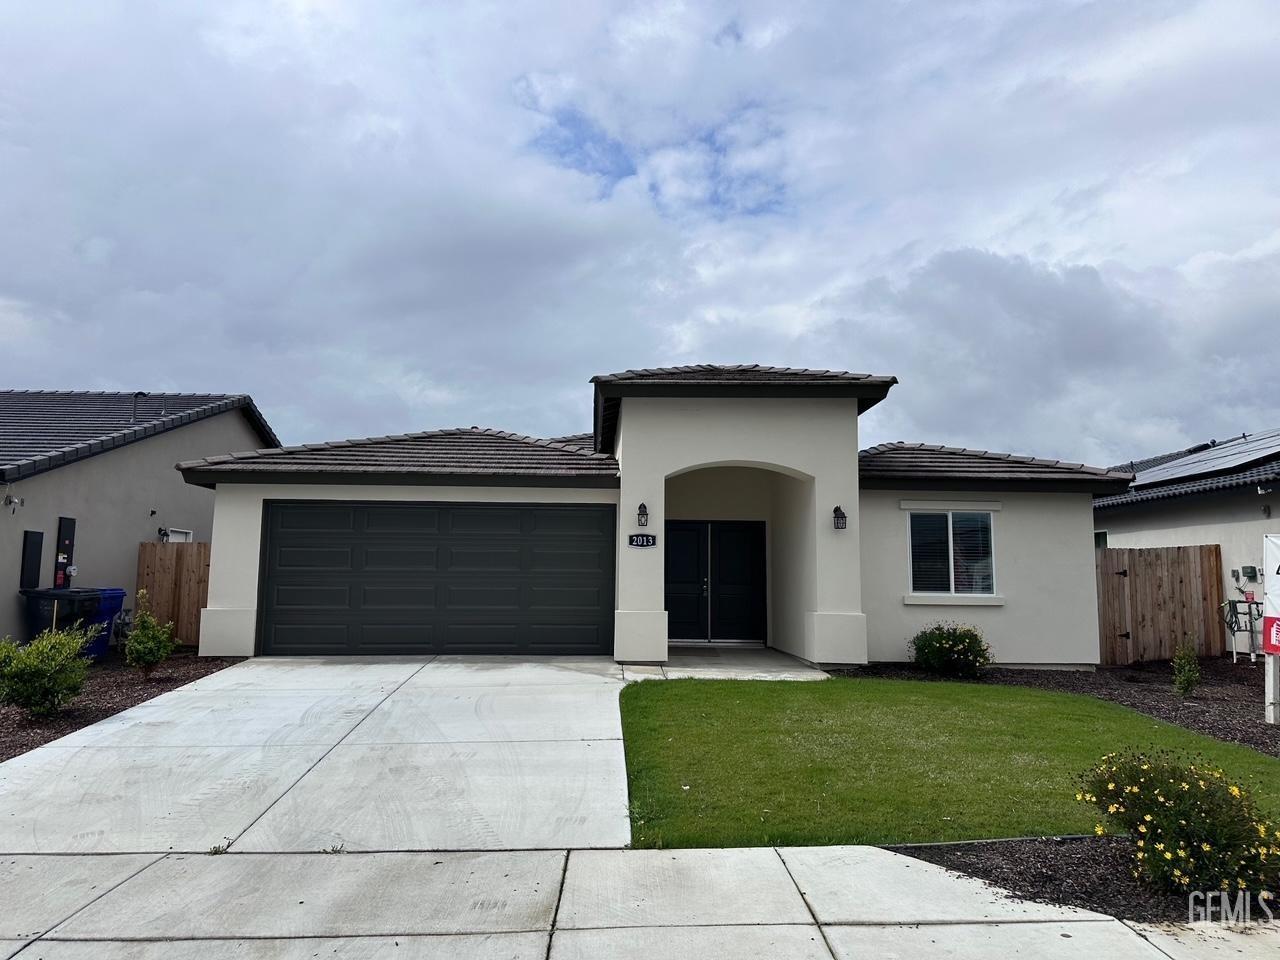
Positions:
(709, 503)
(1222, 491)
(85, 477)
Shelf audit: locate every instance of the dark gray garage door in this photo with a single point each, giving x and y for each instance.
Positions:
(413, 578)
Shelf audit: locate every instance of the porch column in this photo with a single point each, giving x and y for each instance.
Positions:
(640, 620)
(836, 628)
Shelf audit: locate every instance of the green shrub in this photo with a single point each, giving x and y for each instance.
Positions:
(950, 650)
(1186, 669)
(43, 675)
(1193, 828)
(149, 642)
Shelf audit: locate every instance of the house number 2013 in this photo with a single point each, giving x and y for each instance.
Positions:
(642, 540)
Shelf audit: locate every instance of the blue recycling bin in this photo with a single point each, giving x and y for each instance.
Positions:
(91, 607)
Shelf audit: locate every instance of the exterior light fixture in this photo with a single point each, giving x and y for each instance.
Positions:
(840, 518)
(642, 516)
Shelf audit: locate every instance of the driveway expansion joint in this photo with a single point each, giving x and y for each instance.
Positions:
(808, 906)
(320, 759)
(555, 914)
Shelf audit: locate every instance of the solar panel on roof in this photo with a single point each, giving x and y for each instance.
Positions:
(1228, 455)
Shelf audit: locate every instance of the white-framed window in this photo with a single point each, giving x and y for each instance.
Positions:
(952, 552)
(178, 535)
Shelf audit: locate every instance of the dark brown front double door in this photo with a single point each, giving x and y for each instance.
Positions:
(715, 580)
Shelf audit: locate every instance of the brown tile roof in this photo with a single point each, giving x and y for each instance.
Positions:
(44, 429)
(893, 465)
(464, 455)
(740, 373)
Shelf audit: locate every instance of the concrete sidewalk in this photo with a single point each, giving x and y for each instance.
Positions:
(802, 903)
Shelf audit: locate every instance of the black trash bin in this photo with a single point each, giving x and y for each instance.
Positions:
(88, 606)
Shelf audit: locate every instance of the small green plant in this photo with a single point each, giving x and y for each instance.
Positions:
(951, 650)
(149, 643)
(220, 848)
(1186, 668)
(336, 848)
(47, 673)
(1193, 827)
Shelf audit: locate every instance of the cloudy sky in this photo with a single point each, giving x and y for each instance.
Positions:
(1057, 223)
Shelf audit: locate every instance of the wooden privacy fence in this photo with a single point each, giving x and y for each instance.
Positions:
(176, 578)
(1151, 599)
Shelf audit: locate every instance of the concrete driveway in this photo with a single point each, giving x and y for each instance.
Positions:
(306, 755)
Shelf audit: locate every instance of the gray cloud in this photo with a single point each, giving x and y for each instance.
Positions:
(1056, 224)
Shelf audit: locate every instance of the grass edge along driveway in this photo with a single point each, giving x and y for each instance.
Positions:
(728, 763)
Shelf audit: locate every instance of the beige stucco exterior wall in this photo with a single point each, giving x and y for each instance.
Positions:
(1045, 609)
(1234, 519)
(793, 572)
(814, 442)
(228, 623)
(111, 497)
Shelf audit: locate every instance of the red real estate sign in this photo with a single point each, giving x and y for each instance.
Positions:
(1271, 596)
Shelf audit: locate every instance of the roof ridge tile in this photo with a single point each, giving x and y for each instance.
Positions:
(641, 373)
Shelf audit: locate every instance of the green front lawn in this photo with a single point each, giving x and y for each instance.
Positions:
(728, 763)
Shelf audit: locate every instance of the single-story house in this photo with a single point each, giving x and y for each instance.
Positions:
(86, 476)
(1221, 491)
(709, 504)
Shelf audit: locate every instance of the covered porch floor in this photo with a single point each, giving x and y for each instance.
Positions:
(709, 662)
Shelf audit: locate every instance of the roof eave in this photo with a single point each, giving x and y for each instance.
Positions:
(210, 478)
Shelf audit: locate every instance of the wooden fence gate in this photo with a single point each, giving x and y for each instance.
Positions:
(1151, 599)
(176, 578)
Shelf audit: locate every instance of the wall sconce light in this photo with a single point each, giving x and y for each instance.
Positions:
(642, 516)
(840, 518)
(12, 502)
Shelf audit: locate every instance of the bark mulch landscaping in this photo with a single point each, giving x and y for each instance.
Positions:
(112, 686)
(1226, 705)
(1093, 873)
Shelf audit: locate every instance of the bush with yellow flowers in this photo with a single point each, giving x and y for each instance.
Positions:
(1193, 827)
(951, 650)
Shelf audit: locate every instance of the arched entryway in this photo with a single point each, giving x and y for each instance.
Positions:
(738, 545)
(787, 461)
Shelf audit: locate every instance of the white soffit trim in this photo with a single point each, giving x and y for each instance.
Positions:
(949, 505)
